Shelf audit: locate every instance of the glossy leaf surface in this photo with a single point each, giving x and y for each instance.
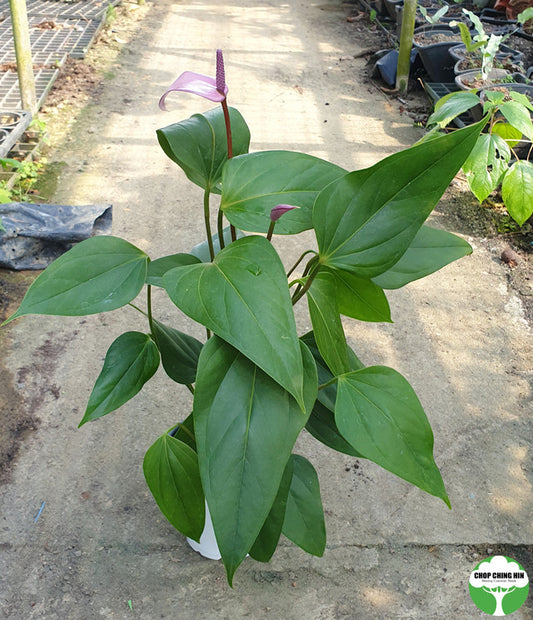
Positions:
(378, 412)
(243, 297)
(97, 275)
(366, 220)
(201, 250)
(179, 352)
(265, 544)
(486, 164)
(429, 251)
(173, 477)
(327, 326)
(131, 360)
(199, 145)
(517, 191)
(360, 298)
(304, 521)
(245, 426)
(452, 105)
(256, 183)
(157, 268)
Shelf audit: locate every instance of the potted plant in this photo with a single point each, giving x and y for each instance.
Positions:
(256, 383)
(495, 160)
(433, 43)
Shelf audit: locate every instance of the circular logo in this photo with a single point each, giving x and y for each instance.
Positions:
(498, 585)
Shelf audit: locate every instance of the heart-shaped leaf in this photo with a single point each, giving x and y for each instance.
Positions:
(201, 250)
(304, 517)
(379, 414)
(179, 352)
(97, 275)
(199, 145)
(252, 185)
(243, 297)
(366, 220)
(517, 191)
(173, 477)
(131, 360)
(245, 425)
(429, 251)
(327, 326)
(157, 268)
(486, 164)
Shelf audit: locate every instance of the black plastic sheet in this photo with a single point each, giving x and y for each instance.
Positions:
(37, 234)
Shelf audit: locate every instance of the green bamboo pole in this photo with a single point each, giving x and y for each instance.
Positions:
(21, 37)
(406, 43)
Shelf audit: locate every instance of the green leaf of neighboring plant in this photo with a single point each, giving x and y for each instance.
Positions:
(304, 517)
(518, 116)
(201, 250)
(486, 164)
(506, 131)
(360, 298)
(199, 145)
(157, 268)
(243, 297)
(179, 352)
(327, 326)
(254, 184)
(380, 415)
(5, 197)
(245, 425)
(97, 275)
(525, 15)
(517, 191)
(321, 424)
(364, 224)
(429, 251)
(466, 36)
(173, 477)
(452, 105)
(131, 360)
(521, 98)
(267, 541)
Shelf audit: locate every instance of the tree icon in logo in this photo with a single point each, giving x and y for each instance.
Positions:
(496, 579)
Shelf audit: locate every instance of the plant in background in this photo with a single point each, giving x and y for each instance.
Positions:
(489, 165)
(256, 383)
(525, 19)
(432, 19)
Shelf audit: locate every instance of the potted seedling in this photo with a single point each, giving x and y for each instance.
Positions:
(255, 382)
(496, 158)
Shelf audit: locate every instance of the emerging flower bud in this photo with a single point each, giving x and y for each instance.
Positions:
(280, 210)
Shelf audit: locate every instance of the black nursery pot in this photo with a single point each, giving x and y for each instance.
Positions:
(436, 57)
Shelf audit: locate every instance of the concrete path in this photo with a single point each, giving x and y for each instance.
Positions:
(100, 548)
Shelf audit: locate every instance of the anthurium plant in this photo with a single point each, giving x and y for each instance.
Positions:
(256, 383)
(495, 159)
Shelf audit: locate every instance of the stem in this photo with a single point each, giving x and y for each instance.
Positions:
(299, 261)
(191, 390)
(229, 139)
(149, 307)
(208, 224)
(328, 383)
(406, 43)
(138, 309)
(312, 274)
(220, 229)
(270, 231)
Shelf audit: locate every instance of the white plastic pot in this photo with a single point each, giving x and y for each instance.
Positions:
(207, 547)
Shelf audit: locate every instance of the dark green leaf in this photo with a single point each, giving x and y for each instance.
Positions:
(517, 191)
(429, 251)
(379, 414)
(131, 360)
(366, 220)
(451, 106)
(267, 541)
(518, 116)
(254, 184)
(179, 352)
(184, 431)
(199, 145)
(246, 426)
(201, 250)
(486, 164)
(171, 472)
(97, 275)
(360, 298)
(327, 326)
(243, 297)
(157, 268)
(304, 517)
(321, 425)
